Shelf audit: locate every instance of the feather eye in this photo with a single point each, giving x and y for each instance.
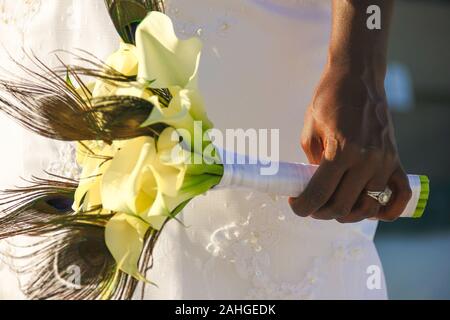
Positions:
(47, 103)
(70, 260)
(75, 264)
(127, 14)
(70, 264)
(41, 207)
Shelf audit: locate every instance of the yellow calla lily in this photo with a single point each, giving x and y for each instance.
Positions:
(181, 114)
(134, 178)
(176, 114)
(91, 156)
(195, 104)
(169, 179)
(145, 181)
(170, 148)
(193, 185)
(160, 60)
(125, 61)
(128, 185)
(124, 237)
(163, 58)
(178, 181)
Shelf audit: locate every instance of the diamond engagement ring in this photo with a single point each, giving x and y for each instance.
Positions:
(382, 197)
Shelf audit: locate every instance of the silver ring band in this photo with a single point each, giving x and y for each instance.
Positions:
(383, 197)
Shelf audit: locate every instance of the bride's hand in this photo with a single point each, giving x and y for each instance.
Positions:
(349, 132)
(348, 129)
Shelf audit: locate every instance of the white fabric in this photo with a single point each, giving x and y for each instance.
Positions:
(261, 61)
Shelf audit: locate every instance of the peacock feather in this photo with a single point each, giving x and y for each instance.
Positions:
(69, 260)
(127, 14)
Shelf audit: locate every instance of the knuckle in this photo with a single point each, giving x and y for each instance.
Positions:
(333, 150)
(390, 158)
(305, 141)
(358, 153)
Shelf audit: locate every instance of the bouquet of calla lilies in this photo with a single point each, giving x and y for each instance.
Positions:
(138, 144)
(144, 182)
(135, 133)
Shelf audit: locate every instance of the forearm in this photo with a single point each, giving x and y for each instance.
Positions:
(353, 46)
(347, 128)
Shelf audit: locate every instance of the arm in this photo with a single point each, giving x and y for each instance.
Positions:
(348, 129)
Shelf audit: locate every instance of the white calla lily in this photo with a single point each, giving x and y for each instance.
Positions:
(91, 156)
(193, 102)
(163, 58)
(128, 186)
(125, 61)
(146, 181)
(124, 237)
(176, 114)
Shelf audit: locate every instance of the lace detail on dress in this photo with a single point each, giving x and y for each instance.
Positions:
(266, 288)
(346, 251)
(65, 165)
(245, 249)
(251, 246)
(247, 244)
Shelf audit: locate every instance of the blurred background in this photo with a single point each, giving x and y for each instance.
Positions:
(416, 254)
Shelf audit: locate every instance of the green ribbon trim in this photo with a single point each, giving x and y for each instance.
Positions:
(423, 198)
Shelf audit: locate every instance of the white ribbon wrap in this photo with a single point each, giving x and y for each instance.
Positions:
(290, 180)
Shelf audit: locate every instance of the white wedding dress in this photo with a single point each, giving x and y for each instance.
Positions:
(261, 61)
